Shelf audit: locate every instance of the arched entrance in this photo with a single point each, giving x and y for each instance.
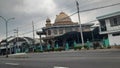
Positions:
(69, 38)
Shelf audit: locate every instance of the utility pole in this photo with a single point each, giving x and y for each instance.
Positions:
(33, 35)
(81, 31)
(16, 31)
(14, 41)
(17, 39)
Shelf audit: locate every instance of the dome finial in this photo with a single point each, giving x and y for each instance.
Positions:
(48, 20)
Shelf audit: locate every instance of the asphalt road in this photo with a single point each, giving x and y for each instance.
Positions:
(68, 59)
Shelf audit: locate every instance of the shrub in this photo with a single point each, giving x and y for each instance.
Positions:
(109, 47)
(96, 45)
(86, 47)
(37, 50)
(56, 49)
(49, 50)
(59, 49)
(77, 47)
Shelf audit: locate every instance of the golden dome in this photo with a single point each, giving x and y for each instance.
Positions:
(62, 17)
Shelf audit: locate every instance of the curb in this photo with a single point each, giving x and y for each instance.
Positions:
(18, 55)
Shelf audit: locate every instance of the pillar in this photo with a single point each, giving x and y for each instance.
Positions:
(67, 46)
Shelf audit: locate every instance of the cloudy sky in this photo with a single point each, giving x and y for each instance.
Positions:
(26, 11)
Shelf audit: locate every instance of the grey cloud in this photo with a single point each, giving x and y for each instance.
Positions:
(83, 4)
(71, 4)
(88, 4)
(16, 8)
(8, 10)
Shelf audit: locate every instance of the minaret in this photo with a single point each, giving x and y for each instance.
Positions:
(48, 22)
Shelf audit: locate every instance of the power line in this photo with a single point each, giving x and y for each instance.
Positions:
(87, 10)
(76, 13)
(41, 28)
(99, 7)
(82, 11)
(30, 31)
(91, 10)
(12, 30)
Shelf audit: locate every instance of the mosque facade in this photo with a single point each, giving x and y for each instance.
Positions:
(63, 30)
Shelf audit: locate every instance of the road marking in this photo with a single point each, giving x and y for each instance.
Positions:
(12, 63)
(60, 67)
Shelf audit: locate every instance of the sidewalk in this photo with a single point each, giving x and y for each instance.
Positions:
(17, 55)
(83, 50)
(25, 55)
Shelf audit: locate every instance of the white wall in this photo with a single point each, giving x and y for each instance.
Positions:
(114, 39)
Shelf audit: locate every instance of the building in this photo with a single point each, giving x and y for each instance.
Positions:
(110, 25)
(16, 45)
(64, 30)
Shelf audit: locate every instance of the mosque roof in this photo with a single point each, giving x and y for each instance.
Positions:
(63, 18)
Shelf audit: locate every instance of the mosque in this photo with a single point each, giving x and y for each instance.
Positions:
(64, 30)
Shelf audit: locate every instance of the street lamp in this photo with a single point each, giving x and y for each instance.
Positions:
(6, 22)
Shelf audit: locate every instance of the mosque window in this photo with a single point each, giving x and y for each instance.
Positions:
(68, 29)
(76, 28)
(60, 31)
(55, 31)
(49, 32)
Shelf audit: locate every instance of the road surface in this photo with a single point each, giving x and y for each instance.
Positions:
(66, 59)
